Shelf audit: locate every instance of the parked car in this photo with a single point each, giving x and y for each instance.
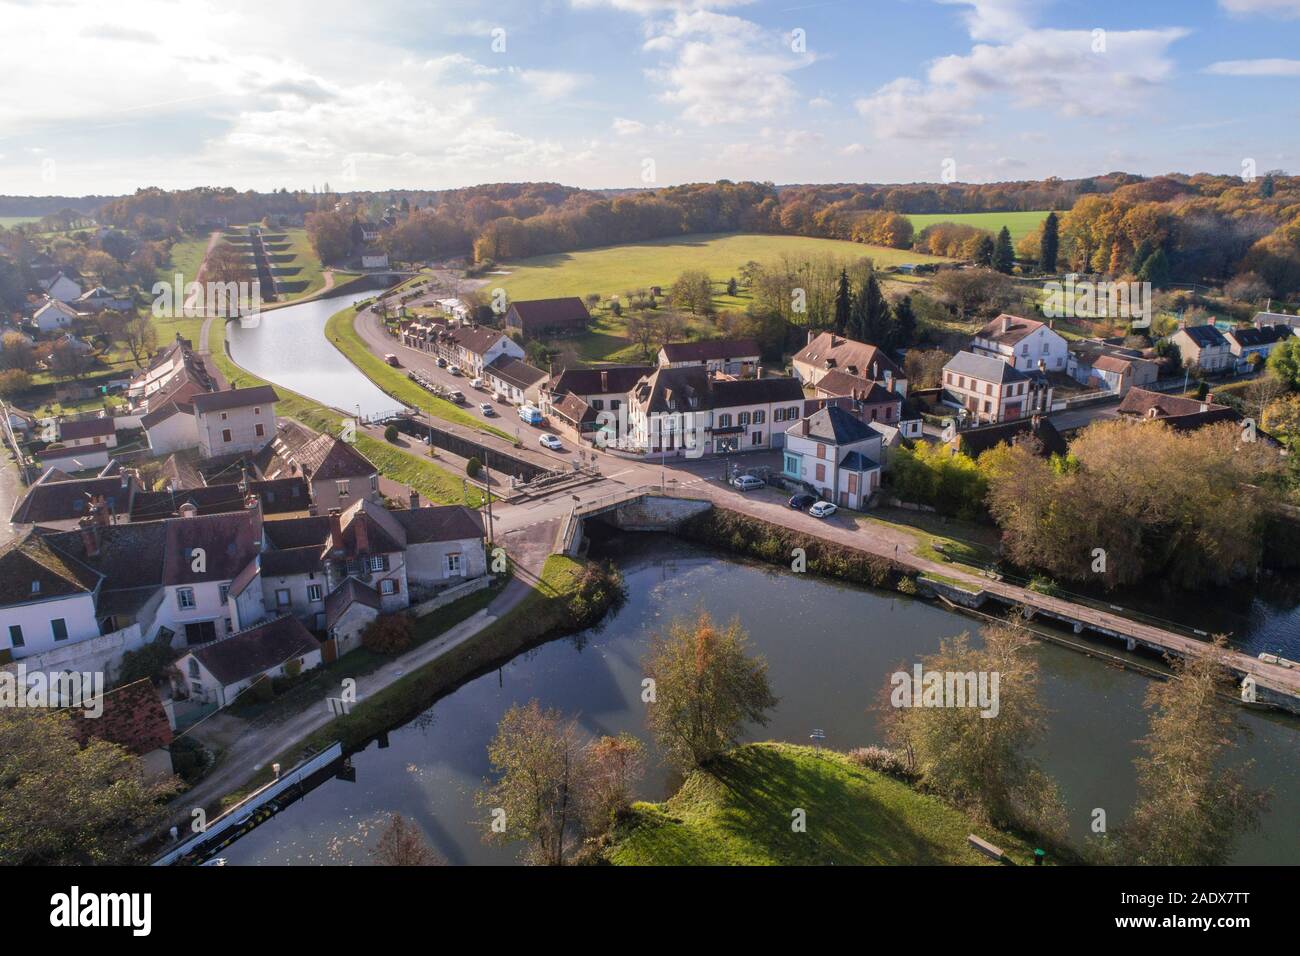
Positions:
(453, 369)
(802, 501)
(746, 482)
(476, 383)
(823, 509)
(456, 398)
(552, 442)
(487, 409)
(442, 362)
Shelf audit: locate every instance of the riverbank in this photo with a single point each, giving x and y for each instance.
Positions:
(744, 812)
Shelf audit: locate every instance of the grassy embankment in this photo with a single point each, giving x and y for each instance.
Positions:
(341, 332)
(740, 813)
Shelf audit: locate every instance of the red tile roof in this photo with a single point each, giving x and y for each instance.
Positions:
(133, 718)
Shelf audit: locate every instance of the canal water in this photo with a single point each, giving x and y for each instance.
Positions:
(829, 648)
(288, 347)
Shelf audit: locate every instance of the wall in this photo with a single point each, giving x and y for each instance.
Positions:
(448, 596)
(498, 461)
(97, 654)
(77, 611)
(242, 423)
(655, 513)
(425, 562)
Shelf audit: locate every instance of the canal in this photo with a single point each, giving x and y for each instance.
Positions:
(287, 346)
(829, 649)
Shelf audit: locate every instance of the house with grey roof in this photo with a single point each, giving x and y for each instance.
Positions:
(1204, 347)
(835, 454)
(988, 389)
(219, 672)
(238, 419)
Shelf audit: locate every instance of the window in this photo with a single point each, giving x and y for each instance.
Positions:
(1024, 349)
(257, 410)
(224, 592)
(374, 482)
(614, 403)
(821, 450)
(259, 429)
(379, 562)
(598, 404)
(281, 597)
(756, 438)
(194, 667)
(821, 472)
(760, 417)
(16, 635)
(452, 562)
(724, 420)
(342, 488)
(792, 465)
(313, 592)
(742, 419)
(226, 436)
(60, 628)
(387, 586)
(196, 687)
(185, 598)
(223, 416)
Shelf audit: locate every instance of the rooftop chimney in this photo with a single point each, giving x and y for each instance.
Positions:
(803, 427)
(336, 530)
(89, 536)
(187, 510)
(1006, 324)
(361, 524)
(415, 499)
(604, 381)
(100, 512)
(253, 505)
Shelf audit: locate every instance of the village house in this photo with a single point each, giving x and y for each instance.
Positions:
(672, 408)
(515, 380)
(836, 454)
(973, 442)
(602, 389)
(739, 357)
(1204, 347)
(61, 285)
(219, 672)
(239, 419)
(47, 599)
(471, 347)
(869, 400)
(1263, 319)
(280, 496)
(202, 556)
(1026, 344)
(336, 473)
(99, 298)
(1259, 342)
(52, 316)
(56, 501)
(1102, 365)
(133, 718)
(538, 318)
(1175, 410)
(991, 390)
(827, 352)
(91, 456)
(87, 431)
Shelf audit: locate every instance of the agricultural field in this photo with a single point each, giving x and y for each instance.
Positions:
(1020, 223)
(613, 270)
(8, 222)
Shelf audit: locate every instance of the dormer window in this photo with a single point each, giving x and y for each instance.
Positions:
(36, 587)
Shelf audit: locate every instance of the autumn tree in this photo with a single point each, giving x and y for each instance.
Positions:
(693, 291)
(64, 804)
(401, 843)
(617, 763)
(642, 329)
(707, 688)
(981, 762)
(1284, 361)
(1192, 802)
(140, 337)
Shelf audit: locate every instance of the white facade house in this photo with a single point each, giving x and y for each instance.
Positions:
(729, 356)
(53, 316)
(170, 428)
(837, 454)
(827, 352)
(1204, 347)
(62, 288)
(237, 420)
(992, 390)
(1025, 344)
(219, 672)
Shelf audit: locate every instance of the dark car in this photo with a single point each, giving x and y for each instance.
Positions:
(800, 502)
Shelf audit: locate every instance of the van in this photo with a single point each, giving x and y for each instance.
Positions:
(530, 414)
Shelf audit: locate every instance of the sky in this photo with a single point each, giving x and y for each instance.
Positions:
(389, 94)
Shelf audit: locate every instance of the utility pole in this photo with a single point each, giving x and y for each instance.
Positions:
(488, 481)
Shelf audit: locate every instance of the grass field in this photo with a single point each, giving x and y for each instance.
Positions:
(614, 270)
(1020, 223)
(8, 222)
(740, 815)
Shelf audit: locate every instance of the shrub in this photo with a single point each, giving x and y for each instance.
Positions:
(189, 759)
(150, 661)
(259, 692)
(388, 634)
(390, 434)
(473, 467)
(883, 760)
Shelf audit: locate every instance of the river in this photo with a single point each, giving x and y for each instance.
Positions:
(829, 649)
(287, 346)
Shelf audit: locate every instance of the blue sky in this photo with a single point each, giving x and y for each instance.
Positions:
(607, 93)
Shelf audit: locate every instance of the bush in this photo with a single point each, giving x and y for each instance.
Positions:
(473, 467)
(189, 759)
(259, 692)
(388, 634)
(150, 661)
(390, 434)
(883, 760)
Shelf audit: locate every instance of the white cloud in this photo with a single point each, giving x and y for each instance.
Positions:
(628, 127)
(725, 69)
(1280, 8)
(1273, 67)
(660, 6)
(1064, 71)
(853, 149)
(820, 103)
(552, 84)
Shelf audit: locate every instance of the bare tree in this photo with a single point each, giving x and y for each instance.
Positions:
(401, 843)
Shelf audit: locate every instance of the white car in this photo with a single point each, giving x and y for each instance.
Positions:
(746, 482)
(823, 509)
(552, 442)
(476, 383)
(453, 369)
(487, 409)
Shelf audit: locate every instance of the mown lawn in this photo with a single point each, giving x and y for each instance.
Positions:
(341, 332)
(741, 814)
(1020, 223)
(613, 270)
